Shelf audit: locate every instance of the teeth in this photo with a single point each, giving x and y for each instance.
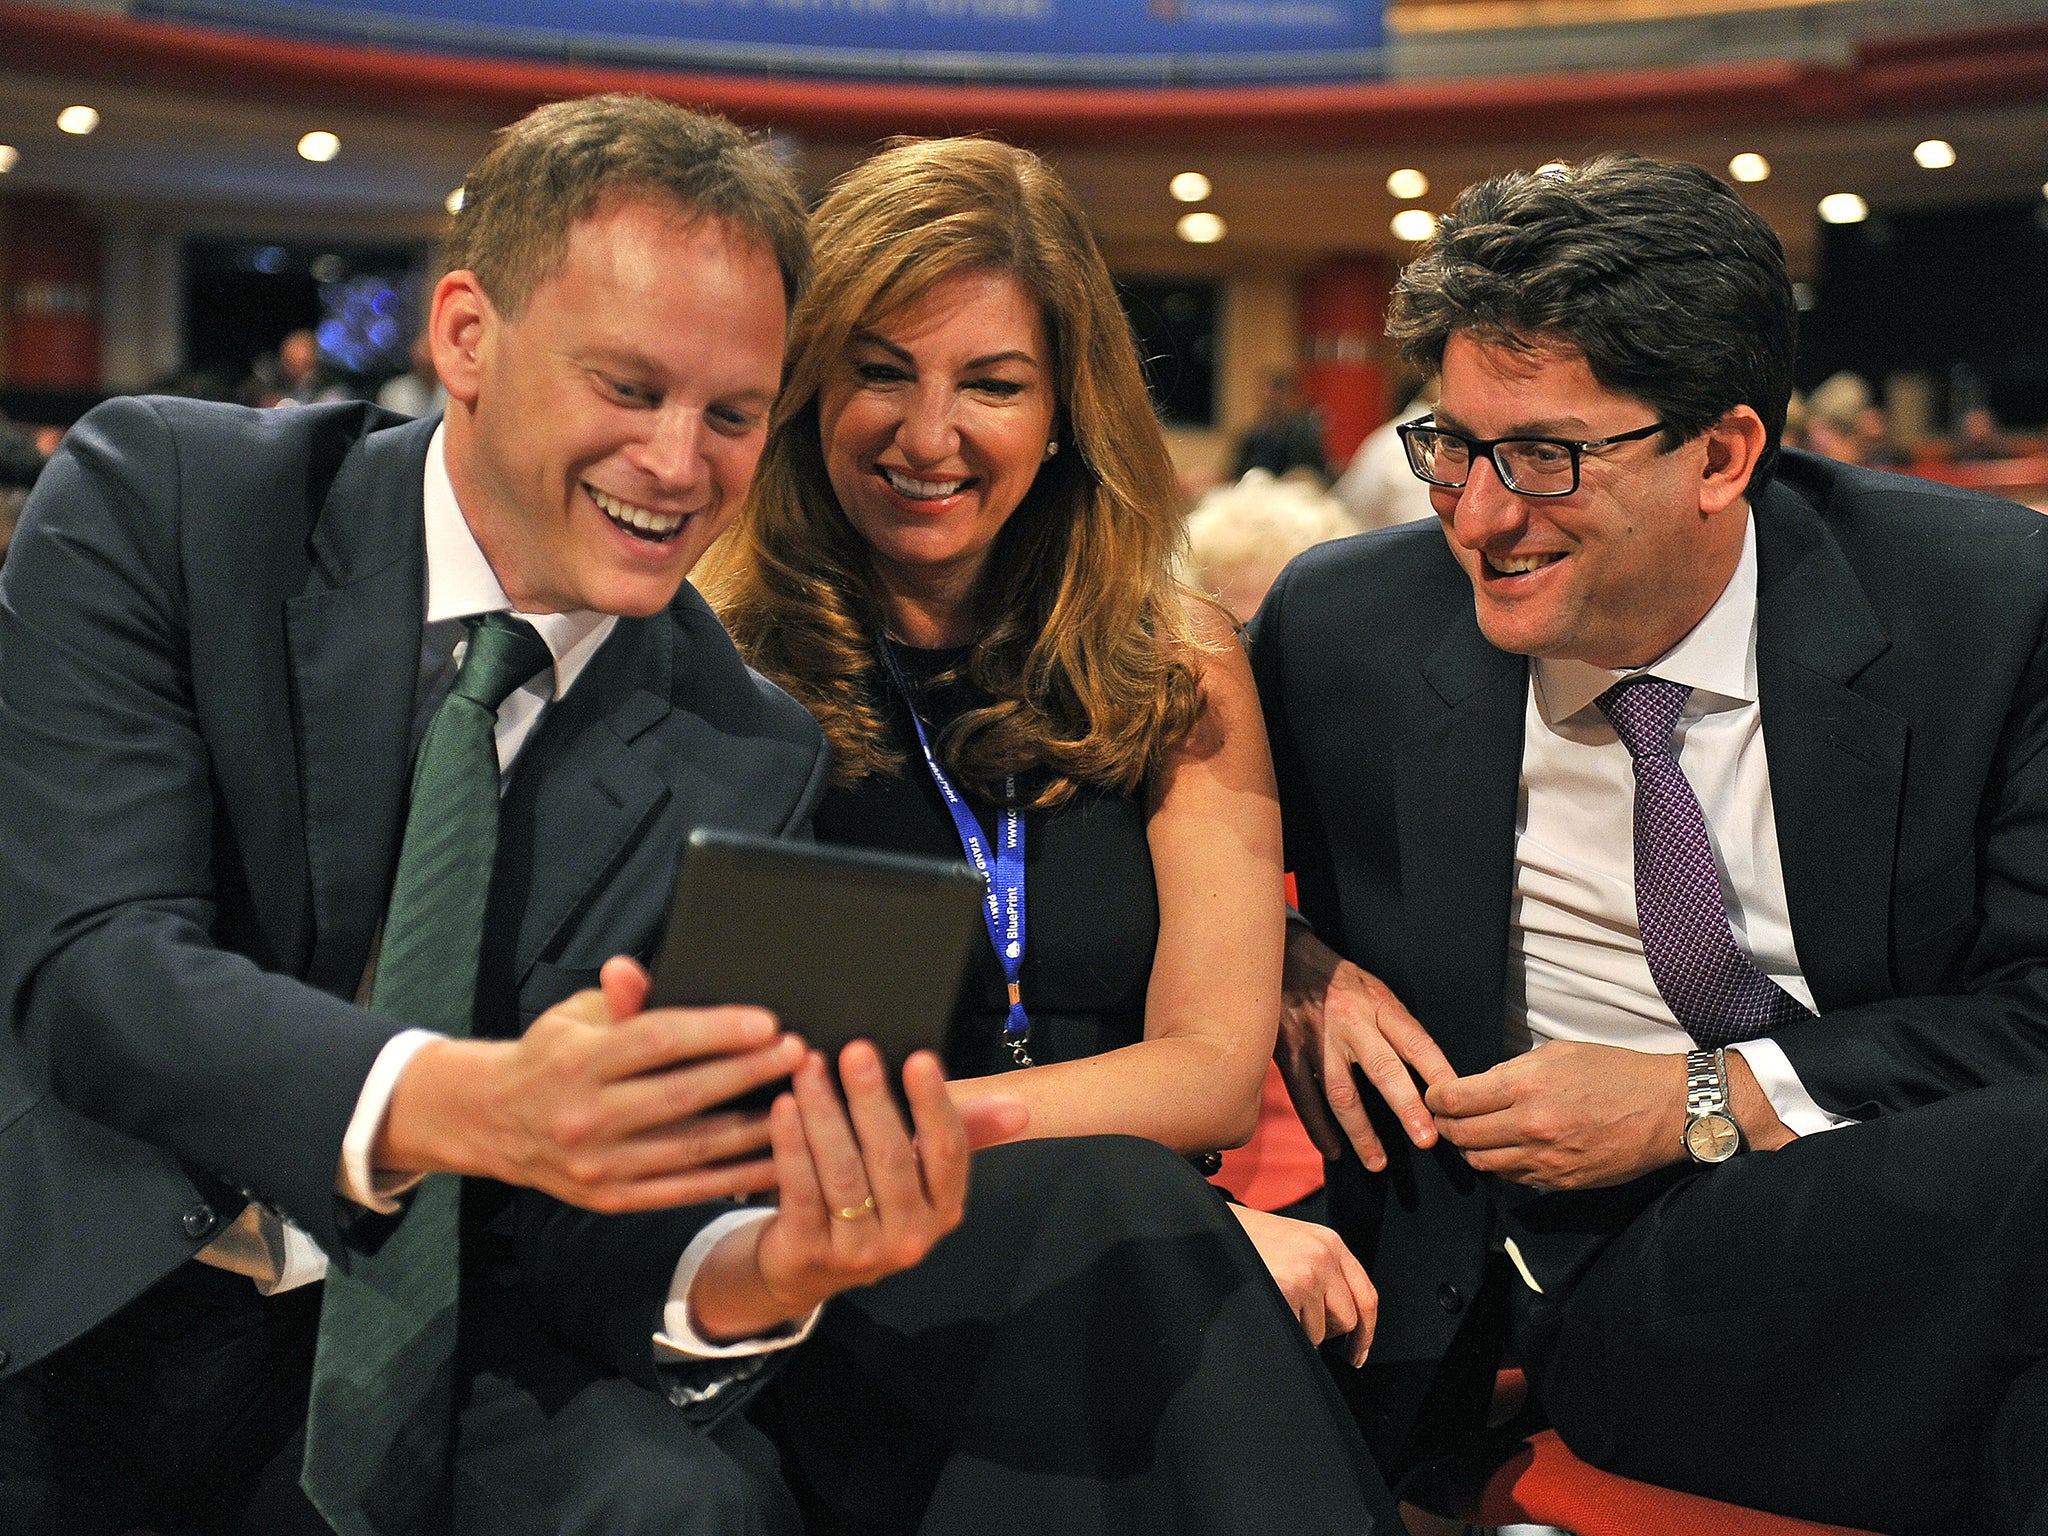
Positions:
(1519, 565)
(657, 524)
(924, 490)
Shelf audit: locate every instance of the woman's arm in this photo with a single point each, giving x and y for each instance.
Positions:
(1213, 825)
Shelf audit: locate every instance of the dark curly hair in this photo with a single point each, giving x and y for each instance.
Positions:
(1671, 287)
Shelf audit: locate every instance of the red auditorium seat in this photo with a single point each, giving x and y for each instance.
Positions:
(1543, 1483)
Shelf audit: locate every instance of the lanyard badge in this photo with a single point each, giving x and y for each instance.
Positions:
(1001, 868)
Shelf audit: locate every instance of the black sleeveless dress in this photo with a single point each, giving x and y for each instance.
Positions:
(1091, 908)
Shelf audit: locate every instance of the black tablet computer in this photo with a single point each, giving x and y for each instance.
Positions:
(841, 943)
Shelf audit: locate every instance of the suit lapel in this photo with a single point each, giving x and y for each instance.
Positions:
(354, 642)
(1459, 776)
(1837, 761)
(580, 796)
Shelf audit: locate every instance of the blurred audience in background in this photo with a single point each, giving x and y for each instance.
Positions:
(418, 391)
(1378, 488)
(295, 375)
(1977, 437)
(1845, 422)
(1288, 435)
(1239, 538)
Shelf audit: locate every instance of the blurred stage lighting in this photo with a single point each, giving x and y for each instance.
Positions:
(1414, 224)
(1408, 184)
(1844, 208)
(79, 120)
(319, 146)
(1200, 228)
(1750, 167)
(1189, 187)
(1934, 154)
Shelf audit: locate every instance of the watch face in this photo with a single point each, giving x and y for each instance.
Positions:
(1712, 1138)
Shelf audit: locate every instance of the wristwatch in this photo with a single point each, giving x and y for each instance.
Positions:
(1711, 1135)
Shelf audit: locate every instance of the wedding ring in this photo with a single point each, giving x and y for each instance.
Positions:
(855, 1212)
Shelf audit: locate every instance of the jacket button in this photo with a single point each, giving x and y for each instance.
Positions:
(1449, 1298)
(199, 1221)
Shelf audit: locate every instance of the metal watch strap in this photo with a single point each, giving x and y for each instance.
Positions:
(1706, 1083)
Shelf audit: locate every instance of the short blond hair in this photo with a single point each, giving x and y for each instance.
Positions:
(558, 164)
(1240, 536)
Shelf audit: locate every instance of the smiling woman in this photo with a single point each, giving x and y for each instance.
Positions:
(957, 554)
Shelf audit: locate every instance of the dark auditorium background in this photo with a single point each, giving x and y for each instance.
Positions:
(1257, 173)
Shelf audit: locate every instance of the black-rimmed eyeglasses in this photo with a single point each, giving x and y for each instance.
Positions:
(1529, 466)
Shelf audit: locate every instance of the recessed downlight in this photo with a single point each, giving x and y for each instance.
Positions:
(1200, 228)
(319, 146)
(10, 157)
(1408, 184)
(1414, 224)
(1553, 168)
(1750, 166)
(1189, 187)
(79, 120)
(1934, 154)
(1844, 208)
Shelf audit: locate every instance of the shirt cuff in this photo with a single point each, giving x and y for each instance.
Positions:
(1795, 1106)
(678, 1339)
(356, 1179)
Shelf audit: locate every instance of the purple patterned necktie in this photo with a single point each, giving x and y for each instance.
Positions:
(1712, 987)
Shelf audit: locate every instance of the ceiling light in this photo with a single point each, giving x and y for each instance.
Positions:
(1934, 154)
(319, 146)
(1844, 208)
(1408, 185)
(1553, 168)
(1189, 187)
(78, 120)
(1414, 224)
(453, 203)
(1750, 166)
(1200, 228)
(9, 158)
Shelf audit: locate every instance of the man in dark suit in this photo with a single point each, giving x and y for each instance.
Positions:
(222, 635)
(1677, 814)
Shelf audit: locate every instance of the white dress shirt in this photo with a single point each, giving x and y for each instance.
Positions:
(280, 1256)
(1576, 969)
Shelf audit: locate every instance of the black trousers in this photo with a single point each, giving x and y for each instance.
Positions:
(1098, 1349)
(185, 1413)
(1852, 1329)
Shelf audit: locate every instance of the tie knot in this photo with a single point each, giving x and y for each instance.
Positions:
(503, 653)
(1644, 711)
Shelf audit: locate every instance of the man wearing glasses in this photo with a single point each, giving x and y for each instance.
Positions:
(1680, 847)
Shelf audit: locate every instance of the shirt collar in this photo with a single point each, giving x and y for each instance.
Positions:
(1717, 656)
(460, 581)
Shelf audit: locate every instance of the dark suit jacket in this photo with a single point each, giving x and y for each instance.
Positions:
(210, 632)
(1903, 684)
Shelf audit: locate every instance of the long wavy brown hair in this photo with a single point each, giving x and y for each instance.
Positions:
(1083, 642)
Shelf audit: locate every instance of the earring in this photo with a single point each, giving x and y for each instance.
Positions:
(1052, 448)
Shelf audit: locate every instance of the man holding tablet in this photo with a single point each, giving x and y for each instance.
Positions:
(232, 641)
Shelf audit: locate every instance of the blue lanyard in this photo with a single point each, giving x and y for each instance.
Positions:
(1003, 873)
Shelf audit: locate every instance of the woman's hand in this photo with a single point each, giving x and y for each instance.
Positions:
(860, 1197)
(1324, 1284)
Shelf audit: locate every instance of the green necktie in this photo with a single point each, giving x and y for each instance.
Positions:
(381, 1414)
